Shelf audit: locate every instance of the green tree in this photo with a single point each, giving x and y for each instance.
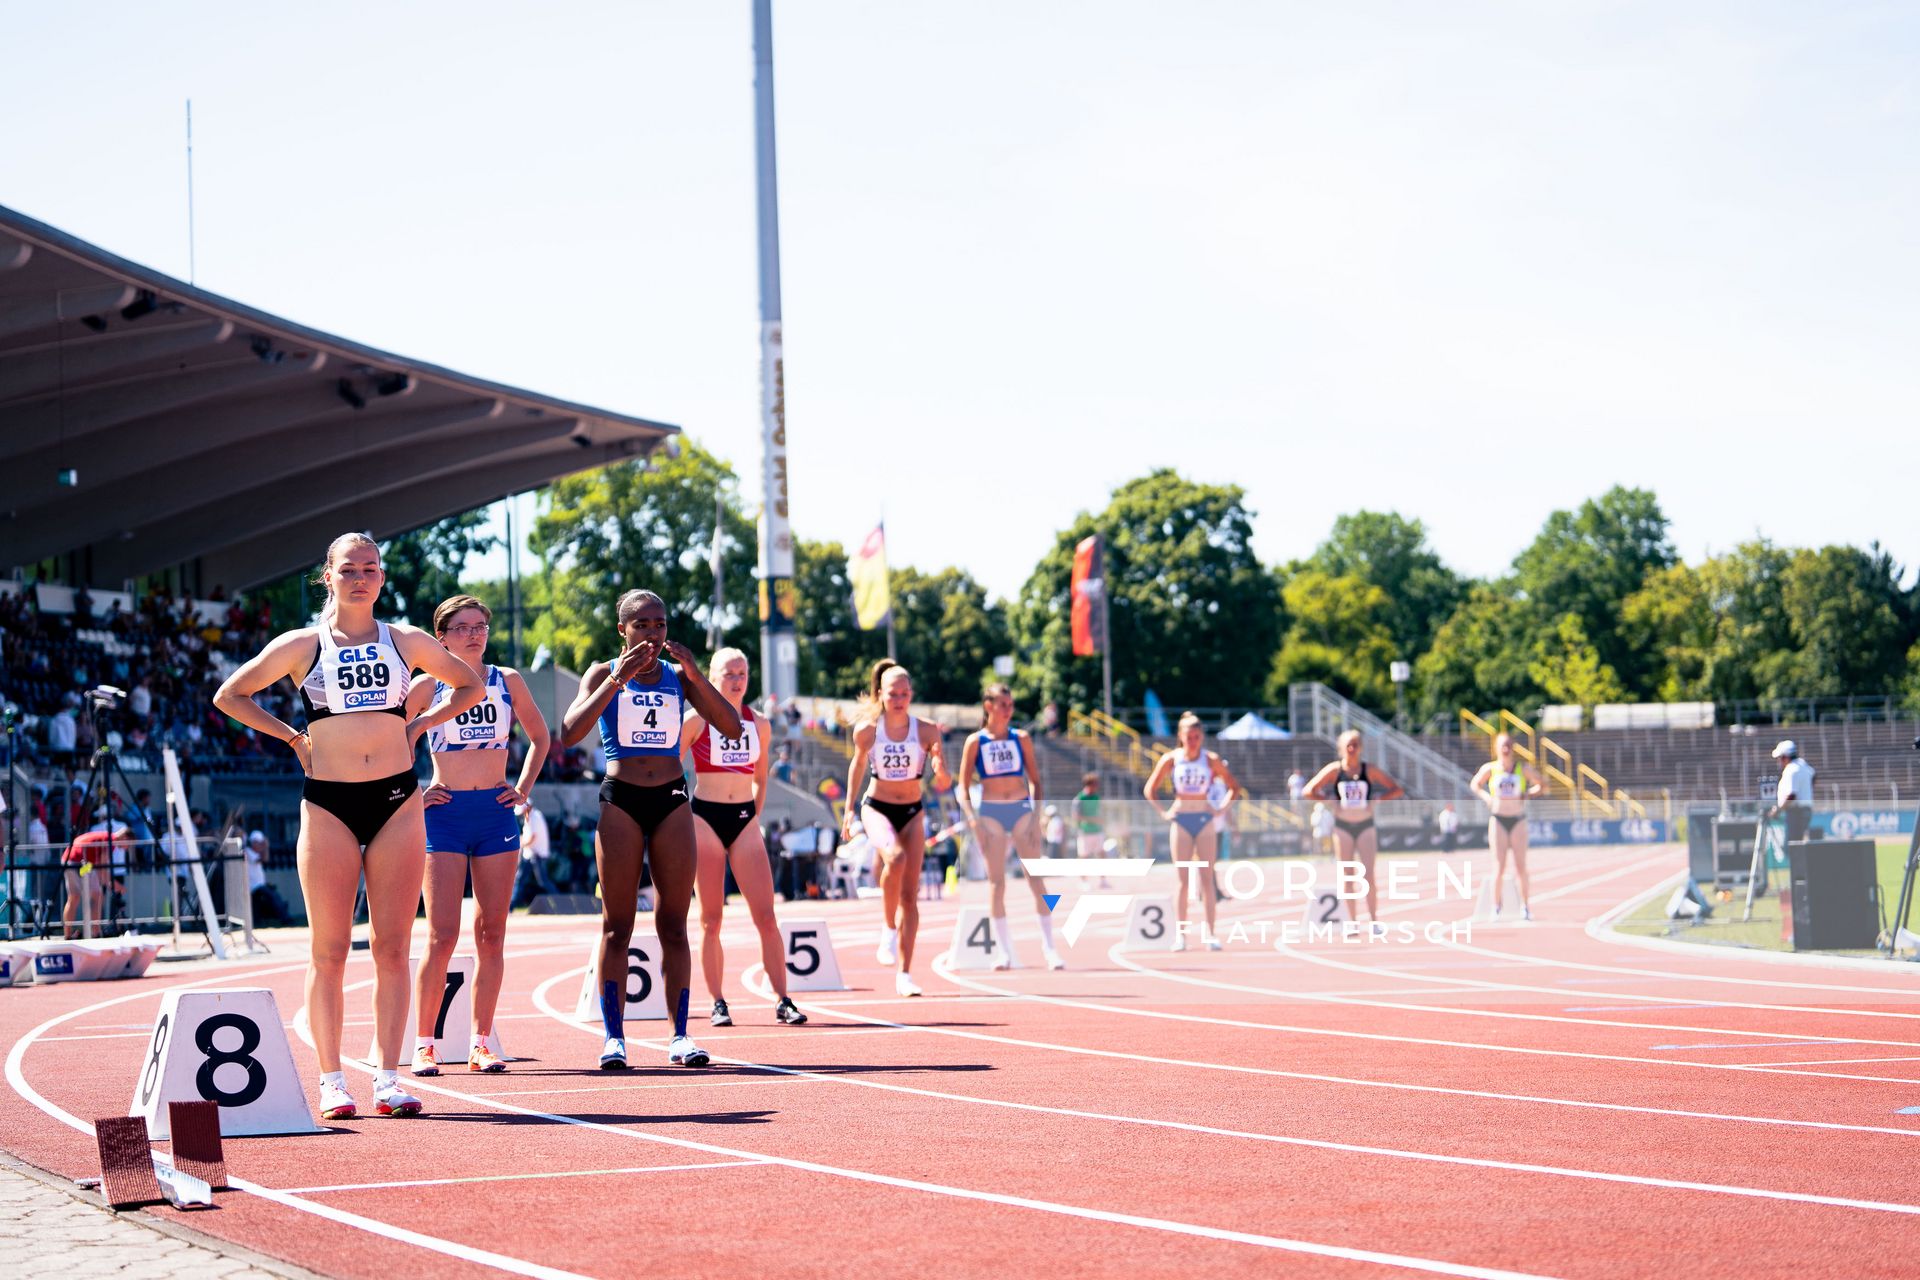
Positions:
(1481, 657)
(1674, 625)
(423, 567)
(645, 524)
(1339, 635)
(1843, 605)
(1587, 562)
(946, 632)
(1194, 615)
(1568, 668)
(1391, 552)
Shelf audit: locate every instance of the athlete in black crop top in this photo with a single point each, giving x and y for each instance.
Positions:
(360, 793)
(1351, 789)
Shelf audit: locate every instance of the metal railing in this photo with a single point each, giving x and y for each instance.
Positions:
(148, 888)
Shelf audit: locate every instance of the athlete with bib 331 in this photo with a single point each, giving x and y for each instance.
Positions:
(353, 674)
(640, 704)
(729, 783)
(894, 746)
(471, 824)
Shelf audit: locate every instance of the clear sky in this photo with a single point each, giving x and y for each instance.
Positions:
(1468, 261)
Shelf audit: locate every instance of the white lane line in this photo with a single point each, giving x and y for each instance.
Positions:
(1777, 1044)
(516, 1177)
(623, 1088)
(1825, 1062)
(1629, 1008)
(16, 1077)
(110, 1035)
(1402, 1086)
(1279, 1243)
(754, 978)
(1678, 976)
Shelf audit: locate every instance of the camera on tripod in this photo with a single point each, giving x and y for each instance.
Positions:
(102, 697)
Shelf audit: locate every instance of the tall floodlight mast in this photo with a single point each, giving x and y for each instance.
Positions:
(779, 649)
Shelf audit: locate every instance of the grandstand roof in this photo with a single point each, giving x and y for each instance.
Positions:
(202, 429)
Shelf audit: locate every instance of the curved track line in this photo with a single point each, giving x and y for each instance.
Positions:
(17, 1078)
(1279, 1243)
(1907, 992)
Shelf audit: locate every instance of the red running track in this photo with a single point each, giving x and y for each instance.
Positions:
(1531, 1099)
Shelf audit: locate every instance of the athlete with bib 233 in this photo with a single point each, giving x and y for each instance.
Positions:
(1504, 783)
(1354, 790)
(640, 704)
(1192, 836)
(353, 674)
(470, 824)
(729, 782)
(894, 745)
(1002, 758)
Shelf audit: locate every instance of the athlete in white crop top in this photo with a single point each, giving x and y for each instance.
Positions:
(472, 821)
(892, 746)
(359, 794)
(1193, 770)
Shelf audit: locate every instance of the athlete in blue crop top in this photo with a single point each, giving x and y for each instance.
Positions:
(997, 757)
(359, 794)
(639, 701)
(472, 814)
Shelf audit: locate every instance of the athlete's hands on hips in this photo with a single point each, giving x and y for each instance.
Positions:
(302, 751)
(415, 728)
(510, 794)
(435, 794)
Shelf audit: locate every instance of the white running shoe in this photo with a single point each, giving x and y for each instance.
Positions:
(1213, 944)
(335, 1102)
(905, 986)
(1053, 959)
(888, 952)
(613, 1057)
(390, 1099)
(1376, 929)
(1179, 941)
(683, 1052)
(1526, 913)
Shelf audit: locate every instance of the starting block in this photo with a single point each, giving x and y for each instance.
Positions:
(645, 999)
(227, 1047)
(130, 1174)
(974, 944)
(16, 967)
(811, 962)
(1325, 907)
(67, 960)
(452, 1023)
(1149, 925)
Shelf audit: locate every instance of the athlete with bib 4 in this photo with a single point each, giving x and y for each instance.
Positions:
(359, 810)
(1192, 837)
(640, 704)
(1353, 790)
(1002, 757)
(1504, 783)
(729, 782)
(470, 823)
(894, 746)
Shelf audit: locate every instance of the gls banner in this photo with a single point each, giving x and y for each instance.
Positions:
(1599, 831)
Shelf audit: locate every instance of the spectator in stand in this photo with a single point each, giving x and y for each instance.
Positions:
(1296, 783)
(1055, 832)
(1321, 825)
(1448, 822)
(63, 732)
(783, 764)
(536, 851)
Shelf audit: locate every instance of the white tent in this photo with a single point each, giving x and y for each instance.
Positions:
(1252, 726)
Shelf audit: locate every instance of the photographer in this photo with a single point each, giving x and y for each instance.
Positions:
(1794, 797)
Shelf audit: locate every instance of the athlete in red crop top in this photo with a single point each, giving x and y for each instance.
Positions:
(729, 781)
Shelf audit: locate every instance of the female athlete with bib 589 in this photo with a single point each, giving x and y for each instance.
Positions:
(1354, 791)
(1192, 836)
(353, 674)
(729, 782)
(640, 704)
(471, 822)
(894, 746)
(1009, 794)
(1504, 784)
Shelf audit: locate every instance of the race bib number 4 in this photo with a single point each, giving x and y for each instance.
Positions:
(649, 718)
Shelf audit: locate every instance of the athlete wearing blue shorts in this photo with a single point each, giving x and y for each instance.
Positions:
(473, 825)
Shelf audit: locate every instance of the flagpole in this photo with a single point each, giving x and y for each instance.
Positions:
(1106, 651)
